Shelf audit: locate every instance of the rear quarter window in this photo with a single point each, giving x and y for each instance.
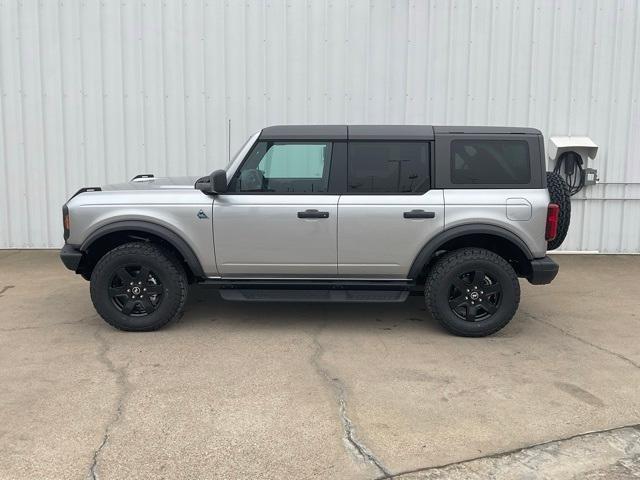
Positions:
(490, 162)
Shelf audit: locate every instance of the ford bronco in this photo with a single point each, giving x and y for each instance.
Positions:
(367, 213)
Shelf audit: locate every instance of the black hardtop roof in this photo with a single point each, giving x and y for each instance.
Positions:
(468, 130)
(380, 132)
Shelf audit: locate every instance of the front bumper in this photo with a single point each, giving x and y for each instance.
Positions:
(543, 271)
(71, 256)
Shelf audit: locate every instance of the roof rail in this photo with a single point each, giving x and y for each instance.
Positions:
(142, 177)
(86, 189)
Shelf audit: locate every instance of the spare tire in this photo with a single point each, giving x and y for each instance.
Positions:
(559, 193)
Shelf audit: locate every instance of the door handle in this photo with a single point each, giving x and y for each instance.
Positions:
(419, 214)
(313, 213)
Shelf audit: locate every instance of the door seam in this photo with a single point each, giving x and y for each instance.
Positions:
(338, 235)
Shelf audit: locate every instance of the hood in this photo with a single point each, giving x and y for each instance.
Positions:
(160, 183)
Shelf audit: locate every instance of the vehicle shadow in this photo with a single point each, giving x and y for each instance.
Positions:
(205, 306)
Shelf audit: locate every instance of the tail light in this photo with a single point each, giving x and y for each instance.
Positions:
(66, 223)
(553, 212)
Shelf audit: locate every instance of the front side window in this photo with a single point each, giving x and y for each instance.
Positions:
(285, 167)
(388, 167)
(489, 162)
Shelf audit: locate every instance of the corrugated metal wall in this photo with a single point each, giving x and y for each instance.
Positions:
(97, 91)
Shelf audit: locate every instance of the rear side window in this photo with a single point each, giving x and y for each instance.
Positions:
(285, 167)
(489, 162)
(388, 167)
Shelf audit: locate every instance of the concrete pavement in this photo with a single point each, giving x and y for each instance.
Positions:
(240, 390)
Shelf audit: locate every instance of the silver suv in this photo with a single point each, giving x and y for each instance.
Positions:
(328, 213)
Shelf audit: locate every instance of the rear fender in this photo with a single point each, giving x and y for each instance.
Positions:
(432, 246)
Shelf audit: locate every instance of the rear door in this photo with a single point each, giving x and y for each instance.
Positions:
(278, 218)
(388, 211)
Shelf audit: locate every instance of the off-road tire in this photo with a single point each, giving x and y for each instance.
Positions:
(174, 285)
(559, 194)
(448, 268)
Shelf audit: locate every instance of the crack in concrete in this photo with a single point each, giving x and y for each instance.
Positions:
(124, 387)
(4, 289)
(635, 426)
(575, 337)
(359, 449)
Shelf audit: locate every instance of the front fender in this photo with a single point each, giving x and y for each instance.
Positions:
(162, 232)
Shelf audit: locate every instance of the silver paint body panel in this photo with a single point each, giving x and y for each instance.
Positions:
(173, 208)
(489, 206)
(258, 235)
(375, 240)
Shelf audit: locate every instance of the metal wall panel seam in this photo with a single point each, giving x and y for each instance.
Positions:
(4, 209)
(63, 93)
(7, 234)
(627, 162)
(610, 121)
(23, 142)
(468, 62)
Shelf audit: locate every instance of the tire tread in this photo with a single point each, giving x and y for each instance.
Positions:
(452, 260)
(162, 256)
(559, 194)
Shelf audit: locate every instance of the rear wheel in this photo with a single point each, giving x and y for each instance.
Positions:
(138, 287)
(472, 292)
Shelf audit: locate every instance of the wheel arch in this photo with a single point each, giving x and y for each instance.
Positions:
(113, 234)
(491, 237)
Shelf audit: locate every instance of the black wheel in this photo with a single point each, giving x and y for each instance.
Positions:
(472, 292)
(559, 194)
(138, 286)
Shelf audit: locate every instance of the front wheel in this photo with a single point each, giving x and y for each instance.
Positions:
(472, 292)
(138, 286)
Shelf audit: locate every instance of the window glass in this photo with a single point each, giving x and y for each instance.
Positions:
(388, 167)
(285, 167)
(490, 162)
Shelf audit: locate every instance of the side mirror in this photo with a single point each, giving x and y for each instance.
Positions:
(214, 183)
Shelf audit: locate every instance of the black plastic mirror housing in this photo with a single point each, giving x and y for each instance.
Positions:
(204, 185)
(219, 181)
(214, 183)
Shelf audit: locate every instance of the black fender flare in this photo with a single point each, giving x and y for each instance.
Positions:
(164, 233)
(443, 237)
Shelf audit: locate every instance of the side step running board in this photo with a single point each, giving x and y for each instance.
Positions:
(309, 295)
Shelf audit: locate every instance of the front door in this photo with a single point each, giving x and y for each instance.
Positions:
(277, 218)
